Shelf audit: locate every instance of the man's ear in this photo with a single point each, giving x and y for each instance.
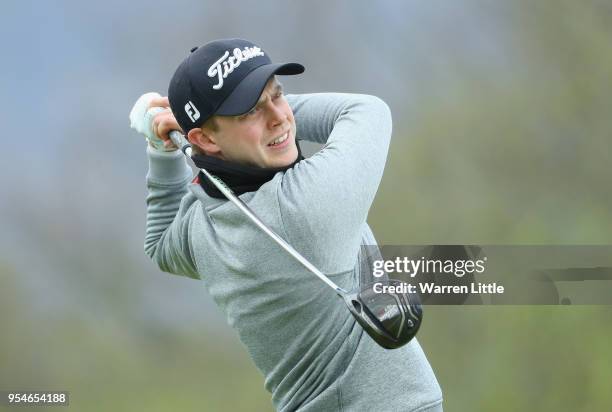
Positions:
(205, 140)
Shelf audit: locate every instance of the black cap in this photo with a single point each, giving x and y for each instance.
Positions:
(223, 77)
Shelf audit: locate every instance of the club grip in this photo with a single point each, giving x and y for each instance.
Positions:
(179, 141)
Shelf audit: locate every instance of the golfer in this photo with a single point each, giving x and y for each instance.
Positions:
(227, 99)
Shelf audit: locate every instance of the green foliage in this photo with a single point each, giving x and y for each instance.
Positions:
(521, 358)
(120, 365)
(522, 157)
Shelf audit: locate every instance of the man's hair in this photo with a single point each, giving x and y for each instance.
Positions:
(211, 124)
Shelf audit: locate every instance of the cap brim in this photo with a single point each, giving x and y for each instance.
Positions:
(247, 93)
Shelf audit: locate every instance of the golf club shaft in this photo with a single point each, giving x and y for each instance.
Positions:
(179, 141)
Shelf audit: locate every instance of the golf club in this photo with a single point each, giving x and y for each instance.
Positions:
(391, 319)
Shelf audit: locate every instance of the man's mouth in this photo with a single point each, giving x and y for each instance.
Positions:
(279, 140)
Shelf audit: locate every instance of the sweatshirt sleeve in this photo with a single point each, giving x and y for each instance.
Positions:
(168, 213)
(325, 199)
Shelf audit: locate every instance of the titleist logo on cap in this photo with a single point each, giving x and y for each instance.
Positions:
(226, 64)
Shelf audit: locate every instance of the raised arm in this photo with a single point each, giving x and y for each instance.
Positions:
(325, 199)
(168, 215)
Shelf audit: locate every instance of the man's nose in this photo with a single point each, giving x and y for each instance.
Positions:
(276, 116)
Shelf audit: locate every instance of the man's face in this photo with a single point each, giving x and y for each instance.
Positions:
(263, 137)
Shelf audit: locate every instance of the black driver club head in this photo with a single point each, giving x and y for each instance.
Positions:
(391, 319)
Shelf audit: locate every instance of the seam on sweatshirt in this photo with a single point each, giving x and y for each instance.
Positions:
(335, 383)
(324, 349)
(340, 377)
(430, 405)
(190, 245)
(279, 211)
(169, 184)
(339, 396)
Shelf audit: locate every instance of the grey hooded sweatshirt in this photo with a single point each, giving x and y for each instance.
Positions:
(312, 353)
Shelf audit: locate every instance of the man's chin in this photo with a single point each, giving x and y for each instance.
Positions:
(285, 159)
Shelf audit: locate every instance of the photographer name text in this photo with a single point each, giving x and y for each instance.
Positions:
(432, 288)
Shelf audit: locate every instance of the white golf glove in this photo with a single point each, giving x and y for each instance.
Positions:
(141, 118)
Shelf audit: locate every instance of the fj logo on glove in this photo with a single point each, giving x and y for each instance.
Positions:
(192, 112)
(226, 64)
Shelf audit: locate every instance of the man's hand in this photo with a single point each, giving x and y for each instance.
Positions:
(152, 117)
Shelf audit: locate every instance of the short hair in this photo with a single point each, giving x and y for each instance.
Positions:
(211, 123)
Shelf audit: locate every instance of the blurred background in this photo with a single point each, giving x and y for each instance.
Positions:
(502, 131)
